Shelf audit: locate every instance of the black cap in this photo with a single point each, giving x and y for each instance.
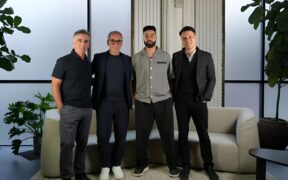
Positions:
(187, 28)
(149, 27)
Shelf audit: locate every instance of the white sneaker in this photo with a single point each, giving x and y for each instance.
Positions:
(104, 175)
(118, 173)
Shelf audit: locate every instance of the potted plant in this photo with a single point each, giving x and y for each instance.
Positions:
(275, 16)
(8, 24)
(27, 117)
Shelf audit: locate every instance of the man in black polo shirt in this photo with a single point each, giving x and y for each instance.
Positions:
(71, 89)
(112, 98)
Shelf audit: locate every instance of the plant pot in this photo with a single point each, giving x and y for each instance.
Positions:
(37, 144)
(273, 134)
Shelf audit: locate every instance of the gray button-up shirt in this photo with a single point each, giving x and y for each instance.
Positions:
(152, 76)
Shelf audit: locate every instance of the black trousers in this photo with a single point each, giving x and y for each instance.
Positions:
(145, 114)
(116, 113)
(199, 113)
(74, 127)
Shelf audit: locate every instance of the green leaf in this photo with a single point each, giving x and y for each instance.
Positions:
(24, 29)
(282, 21)
(244, 8)
(2, 2)
(15, 132)
(9, 20)
(12, 58)
(257, 16)
(4, 49)
(8, 30)
(286, 44)
(276, 6)
(269, 1)
(6, 64)
(17, 21)
(25, 58)
(270, 29)
(8, 10)
(16, 146)
(13, 52)
(2, 39)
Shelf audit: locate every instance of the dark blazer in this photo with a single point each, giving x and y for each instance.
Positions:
(205, 73)
(98, 67)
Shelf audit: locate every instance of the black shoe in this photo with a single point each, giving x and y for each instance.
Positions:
(184, 175)
(140, 170)
(211, 173)
(173, 172)
(81, 177)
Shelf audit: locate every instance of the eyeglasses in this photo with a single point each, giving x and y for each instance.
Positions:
(115, 41)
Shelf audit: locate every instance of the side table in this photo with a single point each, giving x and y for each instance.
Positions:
(271, 155)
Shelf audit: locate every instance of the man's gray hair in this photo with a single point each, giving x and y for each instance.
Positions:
(114, 32)
(81, 31)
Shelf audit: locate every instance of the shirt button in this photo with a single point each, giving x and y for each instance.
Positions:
(151, 87)
(150, 68)
(150, 77)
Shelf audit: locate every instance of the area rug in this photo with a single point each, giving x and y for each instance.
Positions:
(161, 173)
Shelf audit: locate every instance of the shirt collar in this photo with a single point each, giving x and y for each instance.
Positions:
(190, 57)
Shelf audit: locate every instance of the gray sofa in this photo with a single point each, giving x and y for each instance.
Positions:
(233, 131)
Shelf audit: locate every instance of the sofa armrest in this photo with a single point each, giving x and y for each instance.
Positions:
(247, 137)
(50, 148)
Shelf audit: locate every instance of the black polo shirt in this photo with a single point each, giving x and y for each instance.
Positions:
(75, 74)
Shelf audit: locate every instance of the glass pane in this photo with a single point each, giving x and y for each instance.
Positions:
(270, 102)
(242, 43)
(242, 95)
(110, 15)
(52, 26)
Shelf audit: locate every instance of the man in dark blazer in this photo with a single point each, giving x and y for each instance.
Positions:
(193, 86)
(112, 98)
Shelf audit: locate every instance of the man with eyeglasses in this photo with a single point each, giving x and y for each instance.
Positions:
(153, 101)
(112, 98)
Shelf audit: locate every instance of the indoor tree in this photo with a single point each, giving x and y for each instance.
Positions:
(8, 24)
(275, 16)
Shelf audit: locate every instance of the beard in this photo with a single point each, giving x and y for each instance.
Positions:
(149, 44)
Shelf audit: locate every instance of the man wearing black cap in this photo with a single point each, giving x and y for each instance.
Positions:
(193, 87)
(153, 101)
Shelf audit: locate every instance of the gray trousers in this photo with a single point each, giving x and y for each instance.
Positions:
(74, 128)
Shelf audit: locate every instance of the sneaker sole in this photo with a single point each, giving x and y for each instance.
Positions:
(141, 174)
(171, 175)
